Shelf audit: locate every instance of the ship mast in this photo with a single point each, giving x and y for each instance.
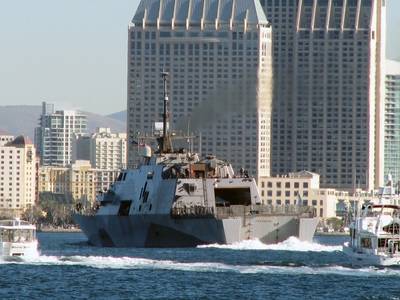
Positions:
(165, 145)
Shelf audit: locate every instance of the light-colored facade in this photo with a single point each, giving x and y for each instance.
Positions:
(104, 149)
(5, 138)
(17, 176)
(53, 137)
(299, 186)
(79, 180)
(218, 55)
(328, 92)
(289, 189)
(392, 120)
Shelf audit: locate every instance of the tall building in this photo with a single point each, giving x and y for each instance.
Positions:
(218, 55)
(328, 92)
(17, 176)
(53, 137)
(104, 149)
(392, 120)
(79, 180)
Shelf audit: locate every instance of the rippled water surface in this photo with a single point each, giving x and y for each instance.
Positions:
(68, 268)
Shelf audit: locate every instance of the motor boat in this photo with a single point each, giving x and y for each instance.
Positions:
(17, 238)
(375, 236)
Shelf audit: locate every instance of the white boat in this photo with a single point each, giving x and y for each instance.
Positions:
(375, 236)
(17, 239)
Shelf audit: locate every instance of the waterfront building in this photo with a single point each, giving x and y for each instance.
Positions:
(392, 120)
(80, 180)
(301, 186)
(5, 138)
(328, 89)
(104, 149)
(218, 56)
(17, 176)
(305, 187)
(53, 137)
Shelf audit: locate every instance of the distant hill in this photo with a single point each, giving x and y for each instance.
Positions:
(22, 119)
(120, 116)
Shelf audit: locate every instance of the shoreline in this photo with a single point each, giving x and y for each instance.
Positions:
(338, 233)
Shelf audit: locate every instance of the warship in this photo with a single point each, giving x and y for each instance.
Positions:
(178, 199)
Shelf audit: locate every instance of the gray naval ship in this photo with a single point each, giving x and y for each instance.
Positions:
(177, 199)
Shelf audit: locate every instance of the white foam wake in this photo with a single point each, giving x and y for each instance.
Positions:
(291, 244)
(103, 262)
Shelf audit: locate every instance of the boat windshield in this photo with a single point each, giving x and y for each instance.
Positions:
(17, 235)
(376, 211)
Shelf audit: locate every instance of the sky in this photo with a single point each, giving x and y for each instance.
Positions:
(73, 52)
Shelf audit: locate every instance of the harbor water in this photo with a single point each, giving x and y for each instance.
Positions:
(69, 268)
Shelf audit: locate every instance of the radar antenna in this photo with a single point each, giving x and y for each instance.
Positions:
(165, 145)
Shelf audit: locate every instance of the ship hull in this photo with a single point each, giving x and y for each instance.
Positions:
(165, 231)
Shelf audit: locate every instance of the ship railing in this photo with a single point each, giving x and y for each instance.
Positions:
(195, 211)
(265, 210)
(240, 210)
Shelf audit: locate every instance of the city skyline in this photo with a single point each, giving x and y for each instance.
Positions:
(42, 49)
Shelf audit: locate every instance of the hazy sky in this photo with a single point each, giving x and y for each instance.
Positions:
(73, 52)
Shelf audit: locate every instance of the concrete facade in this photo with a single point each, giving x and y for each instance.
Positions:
(328, 92)
(392, 120)
(305, 186)
(53, 137)
(104, 149)
(79, 180)
(17, 176)
(218, 55)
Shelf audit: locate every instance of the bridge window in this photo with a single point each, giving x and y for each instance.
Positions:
(232, 196)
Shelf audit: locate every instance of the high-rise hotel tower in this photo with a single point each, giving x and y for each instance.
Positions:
(328, 99)
(392, 120)
(218, 55)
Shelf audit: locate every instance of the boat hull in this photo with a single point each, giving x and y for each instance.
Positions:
(365, 259)
(165, 231)
(28, 249)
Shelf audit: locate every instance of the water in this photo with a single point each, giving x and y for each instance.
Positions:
(68, 268)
